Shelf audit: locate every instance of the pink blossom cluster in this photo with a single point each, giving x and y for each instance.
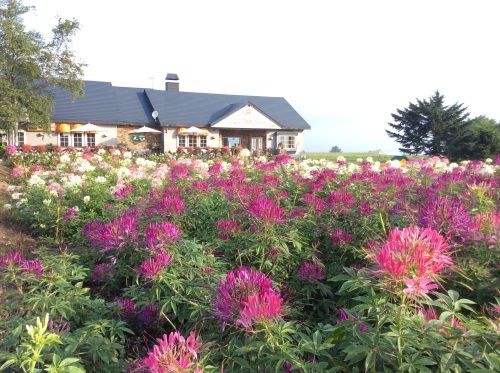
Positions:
(227, 228)
(14, 262)
(161, 235)
(114, 234)
(173, 353)
(246, 297)
(266, 211)
(10, 149)
(414, 256)
(151, 268)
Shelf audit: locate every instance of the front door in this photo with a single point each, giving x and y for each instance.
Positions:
(256, 145)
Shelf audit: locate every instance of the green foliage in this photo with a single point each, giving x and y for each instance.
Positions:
(428, 126)
(29, 66)
(478, 139)
(335, 149)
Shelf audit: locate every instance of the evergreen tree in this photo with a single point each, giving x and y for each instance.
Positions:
(427, 126)
(478, 139)
(31, 67)
(335, 149)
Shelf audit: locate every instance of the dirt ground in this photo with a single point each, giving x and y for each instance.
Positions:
(14, 236)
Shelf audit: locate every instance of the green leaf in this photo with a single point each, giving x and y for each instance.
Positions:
(494, 361)
(447, 360)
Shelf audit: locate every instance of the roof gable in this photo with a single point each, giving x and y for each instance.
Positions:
(245, 116)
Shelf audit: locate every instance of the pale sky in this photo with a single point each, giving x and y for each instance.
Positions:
(345, 66)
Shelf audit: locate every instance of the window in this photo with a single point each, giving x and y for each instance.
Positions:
(287, 140)
(20, 138)
(64, 139)
(78, 140)
(230, 141)
(182, 140)
(91, 140)
(256, 143)
(203, 141)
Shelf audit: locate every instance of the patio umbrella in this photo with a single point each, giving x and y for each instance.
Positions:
(194, 131)
(89, 127)
(145, 129)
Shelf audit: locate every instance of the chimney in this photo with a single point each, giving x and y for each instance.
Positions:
(172, 83)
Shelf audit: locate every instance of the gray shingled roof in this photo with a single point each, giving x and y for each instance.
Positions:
(105, 104)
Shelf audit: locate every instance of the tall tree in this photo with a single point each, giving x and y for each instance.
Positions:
(30, 68)
(478, 140)
(335, 149)
(427, 126)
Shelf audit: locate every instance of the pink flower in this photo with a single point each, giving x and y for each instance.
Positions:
(234, 302)
(311, 272)
(415, 254)
(17, 172)
(418, 286)
(151, 268)
(11, 260)
(158, 236)
(127, 308)
(33, 267)
(173, 353)
(340, 201)
(265, 211)
(260, 307)
(227, 228)
(10, 149)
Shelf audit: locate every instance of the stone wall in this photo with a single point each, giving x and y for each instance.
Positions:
(152, 140)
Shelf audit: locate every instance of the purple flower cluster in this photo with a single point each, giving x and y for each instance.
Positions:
(311, 272)
(227, 228)
(114, 234)
(102, 272)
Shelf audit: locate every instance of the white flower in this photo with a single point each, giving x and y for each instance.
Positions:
(488, 160)
(47, 202)
(100, 179)
(53, 193)
(7, 206)
(369, 159)
(16, 195)
(244, 153)
(359, 160)
(341, 158)
(101, 151)
(127, 155)
(86, 199)
(65, 158)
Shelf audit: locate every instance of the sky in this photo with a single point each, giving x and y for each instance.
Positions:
(344, 66)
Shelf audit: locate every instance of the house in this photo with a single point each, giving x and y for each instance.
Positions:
(181, 119)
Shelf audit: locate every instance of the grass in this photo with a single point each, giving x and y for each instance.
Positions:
(350, 157)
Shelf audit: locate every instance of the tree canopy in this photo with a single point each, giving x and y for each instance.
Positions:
(427, 126)
(478, 139)
(335, 149)
(30, 67)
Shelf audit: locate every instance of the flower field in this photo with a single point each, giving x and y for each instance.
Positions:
(173, 263)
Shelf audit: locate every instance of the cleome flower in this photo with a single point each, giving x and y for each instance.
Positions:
(151, 268)
(173, 353)
(246, 296)
(413, 257)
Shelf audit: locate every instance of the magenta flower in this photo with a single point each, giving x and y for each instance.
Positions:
(127, 308)
(339, 237)
(215, 169)
(171, 205)
(150, 314)
(151, 268)
(233, 300)
(311, 272)
(314, 203)
(173, 353)
(227, 228)
(102, 272)
(260, 307)
(32, 267)
(114, 234)
(265, 211)
(340, 201)
(60, 328)
(70, 213)
(11, 260)
(343, 315)
(447, 216)
(158, 236)
(415, 254)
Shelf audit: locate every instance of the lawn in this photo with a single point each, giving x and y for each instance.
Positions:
(350, 157)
